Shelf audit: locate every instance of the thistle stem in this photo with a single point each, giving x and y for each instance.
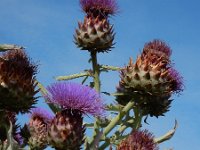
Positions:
(96, 71)
(112, 68)
(74, 76)
(96, 80)
(137, 119)
(115, 121)
(117, 134)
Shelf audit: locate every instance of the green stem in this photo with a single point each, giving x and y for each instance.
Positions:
(137, 119)
(118, 133)
(112, 68)
(96, 71)
(96, 80)
(74, 76)
(118, 118)
(136, 125)
(124, 127)
(114, 122)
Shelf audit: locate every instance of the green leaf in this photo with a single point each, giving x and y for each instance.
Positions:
(6, 47)
(168, 135)
(11, 144)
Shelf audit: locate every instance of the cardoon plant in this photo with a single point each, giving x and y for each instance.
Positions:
(145, 88)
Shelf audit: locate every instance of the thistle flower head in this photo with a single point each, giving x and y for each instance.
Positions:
(158, 47)
(17, 68)
(151, 80)
(76, 97)
(38, 124)
(99, 7)
(17, 81)
(138, 140)
(67, 130)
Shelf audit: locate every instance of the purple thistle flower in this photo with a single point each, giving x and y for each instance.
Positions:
(177, 80)
(41, 113)
(76, 97)
(159, 47)
(105, 7)
(138, 140)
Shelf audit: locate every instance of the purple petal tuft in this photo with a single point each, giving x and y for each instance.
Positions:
(75, 96)
(45, 115)
(19, 139)
(177, 80)
(159, 46)
(104, 6)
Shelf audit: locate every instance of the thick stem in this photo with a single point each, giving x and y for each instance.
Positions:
(96, 80)
(96, 72)
(118, 133)
(114, 122)
(118, 118)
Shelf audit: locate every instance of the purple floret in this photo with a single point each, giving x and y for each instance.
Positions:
(104, 6)
(158, 46)
(19, 139)
(177, 80)
(142, 140)
(41, 113)
(75, 96)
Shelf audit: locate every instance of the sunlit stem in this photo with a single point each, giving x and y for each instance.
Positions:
(118, 133)
(96, 80)
(96, 71)
(74, 76)
(115, 121)
(137, 119)
(112, 68)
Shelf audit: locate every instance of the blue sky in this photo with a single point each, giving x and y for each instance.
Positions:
(46, 28)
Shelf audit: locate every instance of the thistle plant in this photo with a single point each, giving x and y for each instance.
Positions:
(145, 88)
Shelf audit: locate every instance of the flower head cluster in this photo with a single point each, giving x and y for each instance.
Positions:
(76, 97)
(138, 140)
(99, 7)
